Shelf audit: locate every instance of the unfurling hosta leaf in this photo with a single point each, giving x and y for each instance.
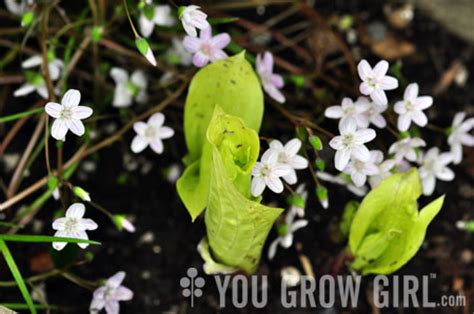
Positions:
(234, 86)
(387, 229)
(237, 226)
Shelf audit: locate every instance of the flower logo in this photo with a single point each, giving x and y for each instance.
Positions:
(191, 284)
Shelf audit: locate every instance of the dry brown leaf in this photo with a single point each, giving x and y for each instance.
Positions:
(391, 48)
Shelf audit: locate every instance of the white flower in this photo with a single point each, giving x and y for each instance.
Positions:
(128, 88)
(359, 170)
(35, 81)
(459, 135)
(406, 148)
(267, 172)
(411, 108)
(151, 133)
(375, 81)
(433, 166)
(285, 233)
(287, 155)
(339, 180)
(351, 143)
(159, 15)
(348, 110)
(192, 17)
(17, 7)
(384, 167)
(55, 66)
(374, 114)
(179, 52)
(109, 295)
(301, 192)
(68, 115)
(73, 226)
(290, 276)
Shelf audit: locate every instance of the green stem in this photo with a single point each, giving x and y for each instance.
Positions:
(20, 115)
(130, 19)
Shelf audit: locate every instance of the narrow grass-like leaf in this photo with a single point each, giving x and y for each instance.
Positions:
(42, 238)
(20, 115)
(17, 275)
(23, 306)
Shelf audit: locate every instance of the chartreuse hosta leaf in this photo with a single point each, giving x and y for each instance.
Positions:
(237, 226)
(234, 86)
(387, 229)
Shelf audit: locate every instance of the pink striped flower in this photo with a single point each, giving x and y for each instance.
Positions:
(207, 48)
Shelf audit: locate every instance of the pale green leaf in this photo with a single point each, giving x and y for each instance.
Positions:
(233, 85)
(237, 226)
(387, 229)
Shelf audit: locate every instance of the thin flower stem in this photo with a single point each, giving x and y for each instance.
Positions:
(46, 145)
(289, 188)
(32, 279)
(18, 174)
(130, 19)
(44, 54)
(20, 115)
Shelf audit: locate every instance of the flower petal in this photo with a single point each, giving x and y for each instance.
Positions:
(123, 294)
(87, 224)
(157, 145)
(157, 119)
(32, 62)
(139, 79)
(119, 75)
(76, 210)
(166, 132)
(388, 83)
(53, 109)
(342, 158)
(81, 112)
(364, 69)
(379, 97)
(24, 89)
(59, 129)
(116, 280)
(200, 59)
(361, 153)
(60, 223)
(146, 26)
(404, 121)
(292, 147)
(258, 186)
(380, 69)
(220, 41)
(274, 184)
(76, 127)
(419, 118)
(411, 92)
(191, 44)
(334, 112)
(364, 136)
(71, 98)
(139, 143)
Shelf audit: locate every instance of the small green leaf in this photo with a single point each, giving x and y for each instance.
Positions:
(81, 193)
(97, 32)
(316, 142)
(320, 164)
(27, 18)
(387, 229)
(301, 133)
